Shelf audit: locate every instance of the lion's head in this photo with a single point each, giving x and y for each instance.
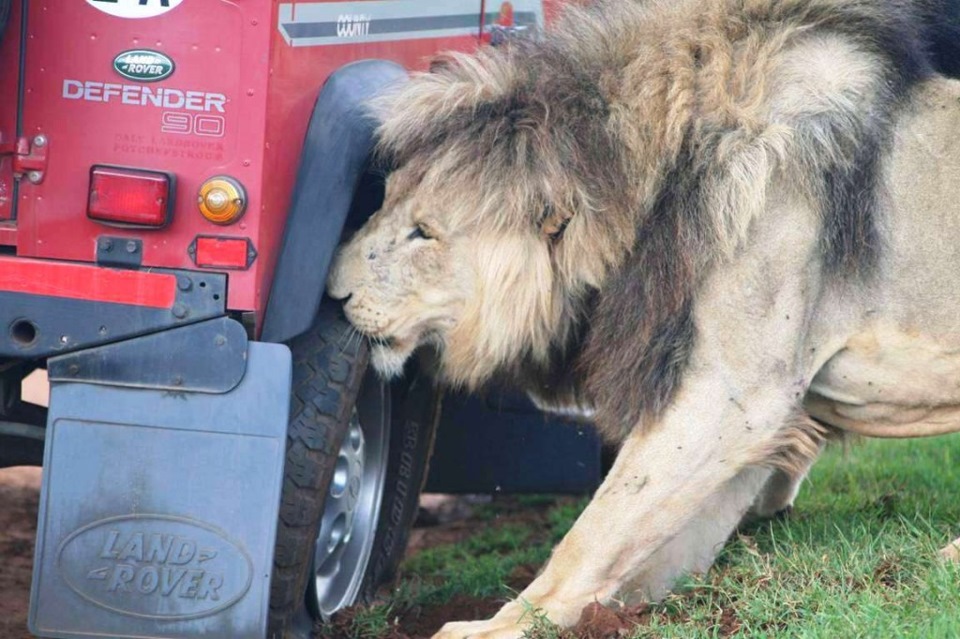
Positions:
(415, 274)
(495, 222)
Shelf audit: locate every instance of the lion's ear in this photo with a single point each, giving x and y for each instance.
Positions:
(442, 62)
(553, 222)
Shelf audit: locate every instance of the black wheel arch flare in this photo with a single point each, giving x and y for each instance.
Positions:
(335, 159)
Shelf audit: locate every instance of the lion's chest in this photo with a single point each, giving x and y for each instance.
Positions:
(886, 379)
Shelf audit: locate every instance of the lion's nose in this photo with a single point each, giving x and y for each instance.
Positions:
(339, 294)
(337, 290)
(337, 285)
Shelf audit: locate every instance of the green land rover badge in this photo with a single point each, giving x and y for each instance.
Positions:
(143, 65)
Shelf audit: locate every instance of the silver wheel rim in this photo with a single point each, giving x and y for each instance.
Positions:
(352, 508)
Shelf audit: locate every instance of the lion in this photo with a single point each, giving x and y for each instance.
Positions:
(725, 228)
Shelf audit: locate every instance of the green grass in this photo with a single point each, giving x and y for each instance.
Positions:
(857, 558)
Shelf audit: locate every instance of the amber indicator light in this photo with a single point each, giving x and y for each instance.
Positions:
(222, 200)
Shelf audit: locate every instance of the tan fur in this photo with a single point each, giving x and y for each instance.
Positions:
(798, 446)
(695, 221)
(540, 179)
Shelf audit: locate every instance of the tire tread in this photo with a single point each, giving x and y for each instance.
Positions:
(328, 368)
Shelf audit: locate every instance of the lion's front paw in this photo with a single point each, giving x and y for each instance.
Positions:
(489, 629)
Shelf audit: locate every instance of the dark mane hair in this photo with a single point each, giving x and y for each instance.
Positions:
(649, 133)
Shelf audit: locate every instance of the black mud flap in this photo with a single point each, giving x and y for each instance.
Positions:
(159, 506)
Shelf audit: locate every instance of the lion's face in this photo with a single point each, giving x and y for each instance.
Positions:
(417, 274)
(404, 280)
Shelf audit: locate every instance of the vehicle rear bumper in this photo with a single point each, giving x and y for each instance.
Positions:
(49, 308)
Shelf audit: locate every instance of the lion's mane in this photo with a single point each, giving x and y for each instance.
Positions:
(644, 137)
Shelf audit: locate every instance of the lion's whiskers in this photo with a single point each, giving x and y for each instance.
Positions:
(345, 338)
(344, 343)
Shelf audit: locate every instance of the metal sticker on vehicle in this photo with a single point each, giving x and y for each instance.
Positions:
(143, 65)
(135, 8)
(310, 24)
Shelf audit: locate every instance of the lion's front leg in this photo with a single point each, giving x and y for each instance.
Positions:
(680, 486)
(694, 548)
(671, 499)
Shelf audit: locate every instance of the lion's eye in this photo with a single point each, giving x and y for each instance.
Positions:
(419, 233)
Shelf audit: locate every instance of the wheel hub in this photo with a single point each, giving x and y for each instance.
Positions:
(352, 508)
(341, 507)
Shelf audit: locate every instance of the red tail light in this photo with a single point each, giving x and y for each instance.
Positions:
(129, 197)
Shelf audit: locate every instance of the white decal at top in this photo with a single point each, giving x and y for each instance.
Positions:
(135, 8)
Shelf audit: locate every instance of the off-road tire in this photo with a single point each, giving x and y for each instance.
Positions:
(328, 368)
(416, 409)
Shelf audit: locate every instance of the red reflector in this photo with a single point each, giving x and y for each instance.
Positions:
(84, 282)
(129, 197)
(222, 252)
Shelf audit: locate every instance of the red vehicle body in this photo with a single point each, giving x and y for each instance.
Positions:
(126, 128)
(254, 133)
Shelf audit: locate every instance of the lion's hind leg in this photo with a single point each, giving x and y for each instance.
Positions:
(778, 494)
(951, 552)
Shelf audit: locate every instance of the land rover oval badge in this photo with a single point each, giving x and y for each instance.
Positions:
(143, 65)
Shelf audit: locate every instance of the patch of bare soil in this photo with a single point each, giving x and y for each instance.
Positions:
(416, 623)
(19, 496)
(451, 519)
(602, 622)
(423, 622)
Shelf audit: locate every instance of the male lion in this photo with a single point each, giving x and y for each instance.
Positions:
(725, 226)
